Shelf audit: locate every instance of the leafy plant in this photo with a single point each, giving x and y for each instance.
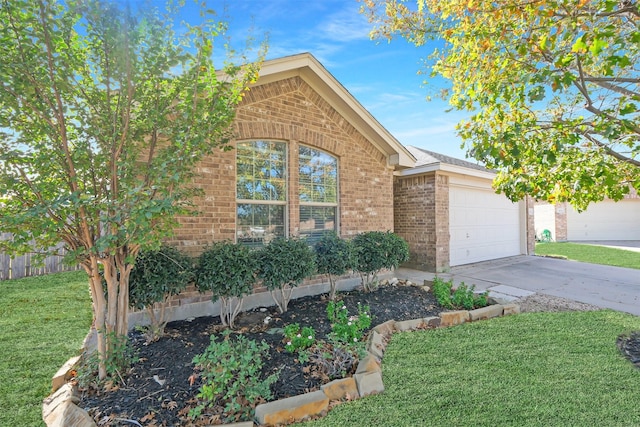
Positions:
(345, 329)
(155, 277)
(376, 250)
(118, 361)
(284, 264)
(228, 271)
(298, 339)
(463, 297)
(231, 370)
(334, 257)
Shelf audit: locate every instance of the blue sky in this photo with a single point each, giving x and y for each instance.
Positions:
(382, 76)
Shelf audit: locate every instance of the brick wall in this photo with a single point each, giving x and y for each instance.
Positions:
(291, 111)
(422, 219)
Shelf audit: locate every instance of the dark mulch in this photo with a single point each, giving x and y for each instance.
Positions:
(140, 398)
(629, 345)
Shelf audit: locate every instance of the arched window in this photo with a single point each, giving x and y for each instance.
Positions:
(318, 190)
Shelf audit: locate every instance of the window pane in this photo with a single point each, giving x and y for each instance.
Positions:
(318, 176)
(261, 170)
(259, 224)
(316, 220)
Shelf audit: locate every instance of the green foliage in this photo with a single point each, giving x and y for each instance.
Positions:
(104, 116)
(334, 257)
(119, 359)
(376, 250)
(553, 86)
(298, 339)
(228, 271)
(348, 330)
(283, 264)
(463, 297)
(156, 276)
(590, 253)
(231, 370)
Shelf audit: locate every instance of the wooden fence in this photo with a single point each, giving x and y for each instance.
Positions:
(26, 265)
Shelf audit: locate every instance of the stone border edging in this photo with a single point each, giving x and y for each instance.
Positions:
(60, 409)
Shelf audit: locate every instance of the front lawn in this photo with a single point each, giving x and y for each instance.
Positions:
(535, 369)
(590, 253)
(43, 321)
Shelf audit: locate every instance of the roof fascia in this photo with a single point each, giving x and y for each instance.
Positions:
(445, 167)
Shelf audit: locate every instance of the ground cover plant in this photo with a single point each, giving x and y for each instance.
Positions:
(163, 386)
(590, 253)
(533, 369)
(461, 298)
(43, 321)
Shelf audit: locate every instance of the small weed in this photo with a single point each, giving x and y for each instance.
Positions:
(120, 356)
(345, 329)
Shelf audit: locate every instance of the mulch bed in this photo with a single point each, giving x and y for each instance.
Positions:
(140, 399)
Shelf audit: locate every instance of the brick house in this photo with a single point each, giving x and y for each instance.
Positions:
(308, 158)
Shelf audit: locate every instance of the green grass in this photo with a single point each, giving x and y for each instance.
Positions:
(537, 369)
(43, 321)
(591, 254)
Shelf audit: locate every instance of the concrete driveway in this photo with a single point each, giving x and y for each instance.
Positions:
(608, 287)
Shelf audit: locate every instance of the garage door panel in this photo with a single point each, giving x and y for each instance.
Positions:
(605, 220)
(483, 225)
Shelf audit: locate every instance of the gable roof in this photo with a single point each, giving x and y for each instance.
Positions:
(429, 161)
(309, 69)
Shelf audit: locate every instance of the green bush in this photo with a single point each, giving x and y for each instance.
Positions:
(376, 250)
(463, 297)
(156, 276)
(334, 257)
(228, 271)
(282, 265)
(231, 371)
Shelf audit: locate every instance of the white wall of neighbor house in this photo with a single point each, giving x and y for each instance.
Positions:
(545, 219)
(606, 220)
(483, 225)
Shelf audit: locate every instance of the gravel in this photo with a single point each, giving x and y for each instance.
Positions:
(540, 302)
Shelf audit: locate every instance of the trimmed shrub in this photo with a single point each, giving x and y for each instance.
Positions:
(334, 257)
(282, 265)
(376, 250)
(156, 276)
(228, 271)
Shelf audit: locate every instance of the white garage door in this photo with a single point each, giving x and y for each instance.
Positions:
(483, 225)
(605, 220)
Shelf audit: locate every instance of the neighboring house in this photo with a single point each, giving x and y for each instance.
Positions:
(450, 215)
(606, 220)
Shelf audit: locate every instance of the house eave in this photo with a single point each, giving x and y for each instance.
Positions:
(447, 168)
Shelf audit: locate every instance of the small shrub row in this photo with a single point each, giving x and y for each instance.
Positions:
(230, 270)
(463, 297)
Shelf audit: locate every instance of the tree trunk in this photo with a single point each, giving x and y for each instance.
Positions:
(111, 314)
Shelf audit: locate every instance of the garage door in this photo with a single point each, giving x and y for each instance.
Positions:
(483, 225)
(605, 221)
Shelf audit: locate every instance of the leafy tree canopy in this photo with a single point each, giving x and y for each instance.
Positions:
(104, 113)
(553, 86)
